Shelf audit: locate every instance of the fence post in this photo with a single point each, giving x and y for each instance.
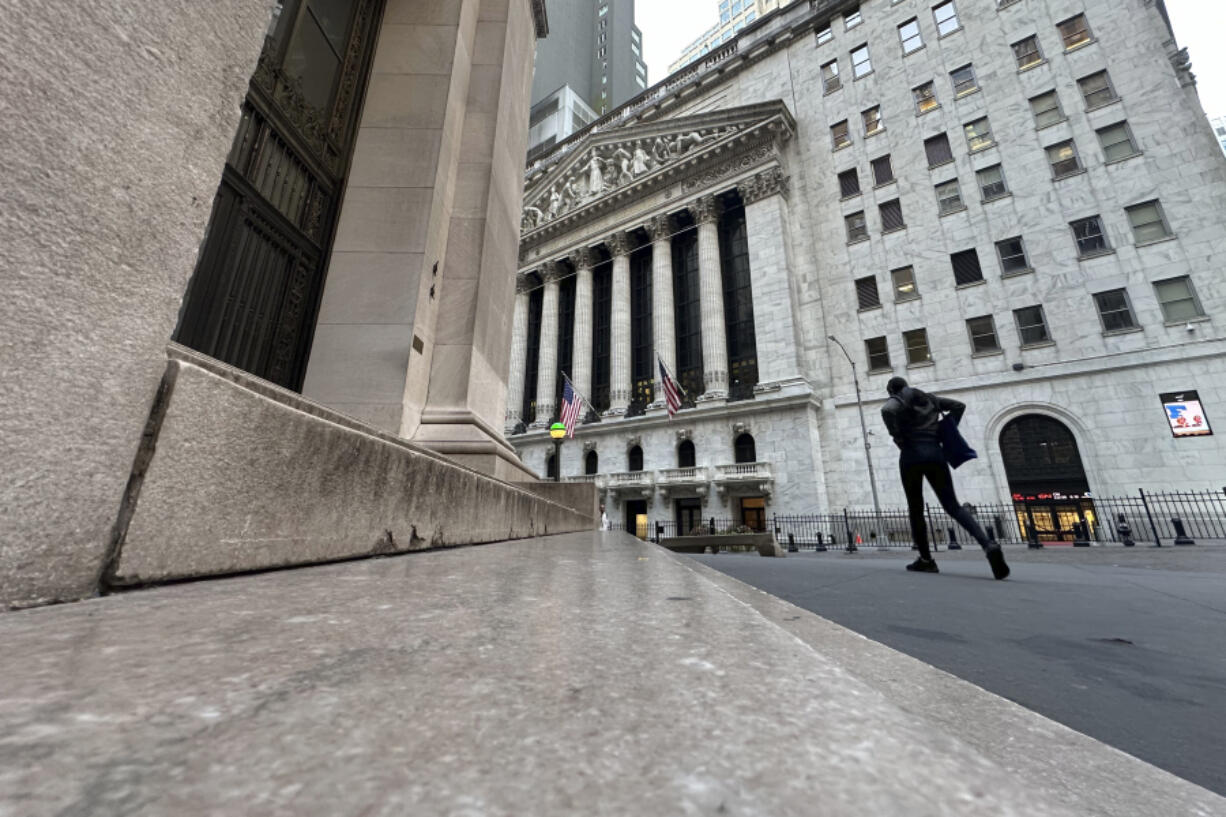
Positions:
(932, 532)
(851, 542)
(1152, 526)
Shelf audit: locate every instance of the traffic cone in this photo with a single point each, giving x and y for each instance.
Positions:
(859, 541)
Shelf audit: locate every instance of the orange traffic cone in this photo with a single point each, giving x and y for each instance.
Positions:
(859, 541)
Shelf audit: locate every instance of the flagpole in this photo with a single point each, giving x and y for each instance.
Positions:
(672, 375)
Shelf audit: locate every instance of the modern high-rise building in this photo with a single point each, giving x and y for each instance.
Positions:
(981, 197)
(733, 16)
(1219, 130)
(594, 50)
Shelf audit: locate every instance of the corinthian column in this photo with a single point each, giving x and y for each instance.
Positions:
(619, 352)
(581, 366)
(711, 298)
(663, 315)
(519, 355)
(547, 370)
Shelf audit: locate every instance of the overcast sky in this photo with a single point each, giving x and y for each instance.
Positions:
(670, 25)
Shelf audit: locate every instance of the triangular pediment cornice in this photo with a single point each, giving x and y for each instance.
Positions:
(613, 167)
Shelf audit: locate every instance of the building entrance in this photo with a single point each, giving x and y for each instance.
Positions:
(753, 513)
(1051, 493)
(253, 299)
(636, 517)
(689, 515)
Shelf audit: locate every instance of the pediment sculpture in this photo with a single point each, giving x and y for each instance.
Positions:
(604, 168)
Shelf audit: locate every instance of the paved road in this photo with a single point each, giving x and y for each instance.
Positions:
(1127, 646)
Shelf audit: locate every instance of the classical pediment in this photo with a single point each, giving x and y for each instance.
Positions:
(613, 166)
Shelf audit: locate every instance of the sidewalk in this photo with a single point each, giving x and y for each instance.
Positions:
(587, 674)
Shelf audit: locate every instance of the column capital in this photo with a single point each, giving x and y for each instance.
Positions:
(552, 272)
(660, 228)
(523, 284)
(582, 258)
(764, 185)
(705, 209)
(618, 244)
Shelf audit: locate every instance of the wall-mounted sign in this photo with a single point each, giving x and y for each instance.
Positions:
(1185, 414)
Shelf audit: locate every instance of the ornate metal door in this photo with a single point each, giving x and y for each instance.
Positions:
(255, 294)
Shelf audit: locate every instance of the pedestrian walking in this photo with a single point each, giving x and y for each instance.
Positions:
(913, 418)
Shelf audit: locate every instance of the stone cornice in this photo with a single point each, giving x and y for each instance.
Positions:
(762, 185)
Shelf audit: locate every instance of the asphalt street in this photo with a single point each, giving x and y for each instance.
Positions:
(1125, 645)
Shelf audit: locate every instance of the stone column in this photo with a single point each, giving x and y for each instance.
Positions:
(519, 354)
(663, 311)
(714, 331)
(547, 368)
(619, 346)
(770, 268)
(581, 365)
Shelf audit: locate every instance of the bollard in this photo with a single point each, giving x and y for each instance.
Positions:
(659, 532)
(1032, 537)
(821, 543)
(953, 540)
(792, 544)
(1181, 535)
(1125, 531)
(851, 541)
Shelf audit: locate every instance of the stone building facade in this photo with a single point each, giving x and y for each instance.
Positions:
(983, 197)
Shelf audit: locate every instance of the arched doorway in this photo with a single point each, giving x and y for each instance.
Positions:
(1047, 478)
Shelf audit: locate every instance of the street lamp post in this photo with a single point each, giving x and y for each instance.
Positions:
(558, 432)
(868, 447)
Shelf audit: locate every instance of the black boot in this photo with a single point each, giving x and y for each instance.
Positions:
(996, 558)
(922, 565)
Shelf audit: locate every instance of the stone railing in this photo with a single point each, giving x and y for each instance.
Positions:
(595, 479)
(682, 475)
(743, 471)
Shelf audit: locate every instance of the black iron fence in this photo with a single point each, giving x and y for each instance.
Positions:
(1153, 518)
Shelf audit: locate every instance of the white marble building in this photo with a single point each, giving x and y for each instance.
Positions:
(1017, 204)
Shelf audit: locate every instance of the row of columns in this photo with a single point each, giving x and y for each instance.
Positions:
(705, 212)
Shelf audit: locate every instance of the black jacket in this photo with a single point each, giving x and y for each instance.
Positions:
(912, 417)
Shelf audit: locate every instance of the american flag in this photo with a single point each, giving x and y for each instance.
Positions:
(572, 405)
(672, 393)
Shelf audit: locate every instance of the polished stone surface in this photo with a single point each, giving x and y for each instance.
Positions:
(582, 674)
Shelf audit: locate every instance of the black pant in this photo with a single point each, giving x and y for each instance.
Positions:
(938, 476)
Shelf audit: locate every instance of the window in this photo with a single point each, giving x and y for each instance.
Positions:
(925, 98)
(1114, 310)
(687, 456)
(857, 229)
(1096, 89)
(830, 77)
(966, 267)
(839, 135)
(964, 80)
(947, 18)
(1031, 325)
(866, 293)
(883, 171)
(1148, 223)
(1091, 240)
(849, 183)
(744, 449)
(591, 463)
(983, 335)
(891, 216)
(824, 36)
(938, 151)
(878, 352)
(905, 288)
(872, 121)
(916, 342)
(852, 19)
(992, 182)
(979, 134)
(1075, 32)
(1046, 109)
(909, 33)
(1012, 255)
(949, 197)
(1027, 53)
(860, 63)
(1116, 141)
(1063, 160)
(1178, 299)
(634, 459)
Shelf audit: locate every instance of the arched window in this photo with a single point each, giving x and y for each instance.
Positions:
(685, 455)
(1041, 457)
(635, 459)
(746, 450)
(591, 463)
(551, 467)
